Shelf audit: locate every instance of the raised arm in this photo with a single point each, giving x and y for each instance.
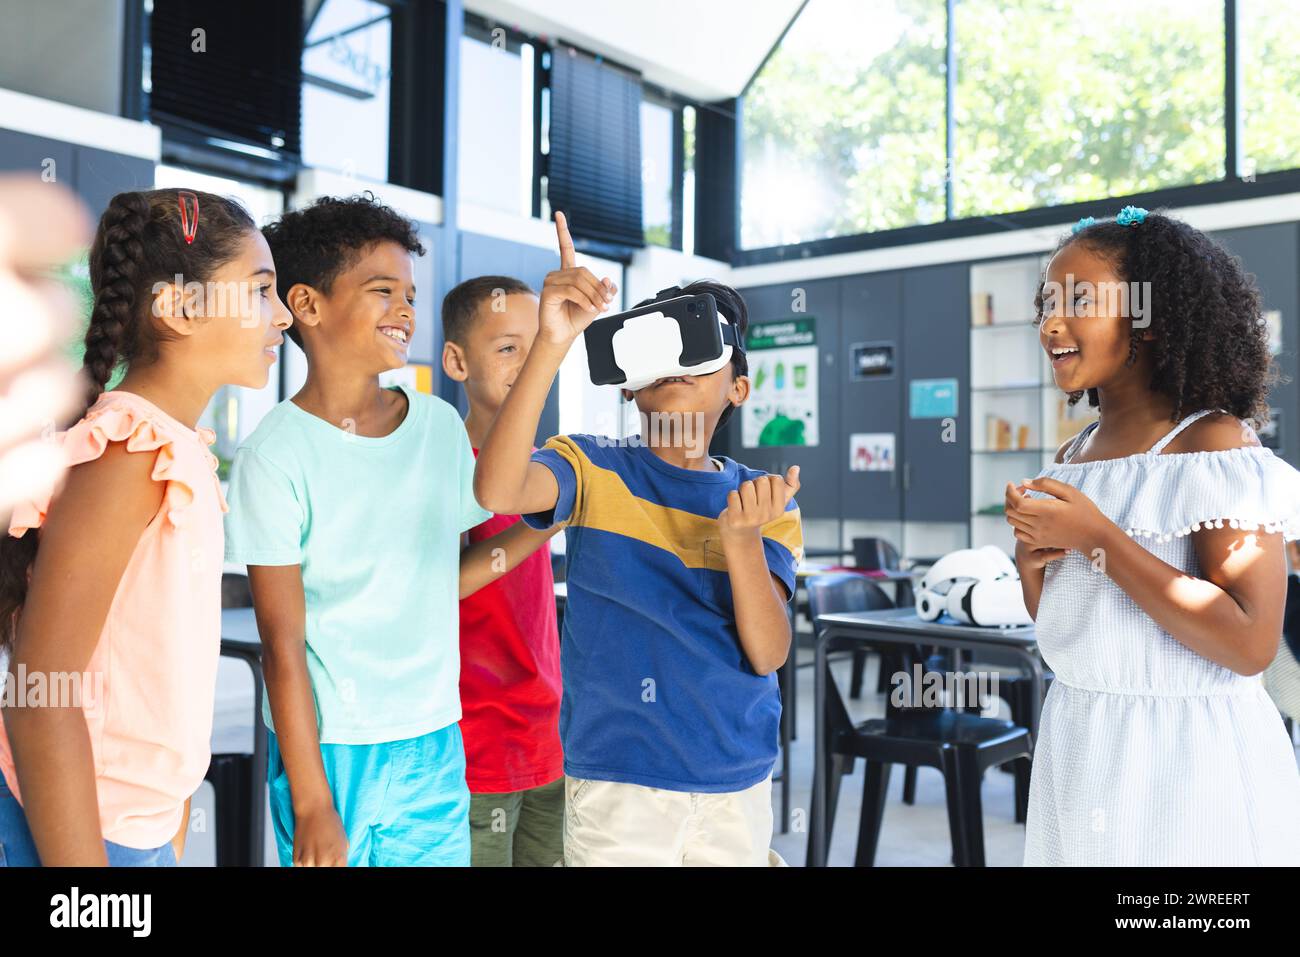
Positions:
(87, 541)
(506, 481)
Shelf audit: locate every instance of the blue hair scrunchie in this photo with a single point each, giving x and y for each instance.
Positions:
(1082, 224)
(1131, 216)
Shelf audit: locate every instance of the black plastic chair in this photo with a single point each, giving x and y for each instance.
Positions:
(1017, 691)
(877, 554)
(959, 744)
(1291, 614)
(231, 774)
(845, 591)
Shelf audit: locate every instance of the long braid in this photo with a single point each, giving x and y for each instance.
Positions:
(115, 273)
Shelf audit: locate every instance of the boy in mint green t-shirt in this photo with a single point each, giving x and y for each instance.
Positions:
(348, 504)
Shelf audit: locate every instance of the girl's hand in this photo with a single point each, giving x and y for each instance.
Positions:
(319, 839)
(1030, 559)
(757, 502)
(1068, 520)
(571, 296)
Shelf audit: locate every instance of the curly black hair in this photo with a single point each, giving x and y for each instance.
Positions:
(1210, 349)
(314, 244)
(731, 304)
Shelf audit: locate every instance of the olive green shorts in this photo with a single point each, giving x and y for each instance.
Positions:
(518, 828)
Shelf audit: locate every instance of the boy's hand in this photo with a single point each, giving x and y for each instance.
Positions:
(319, 839)
(756, 503)
(571, 296)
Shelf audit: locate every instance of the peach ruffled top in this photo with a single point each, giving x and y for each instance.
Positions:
(148, 690)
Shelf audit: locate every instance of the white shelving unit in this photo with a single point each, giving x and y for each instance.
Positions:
(1018, 416)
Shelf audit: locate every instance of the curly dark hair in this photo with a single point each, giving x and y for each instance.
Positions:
(139, 242)
(1210, 349)
(314, 244)
(731, 304)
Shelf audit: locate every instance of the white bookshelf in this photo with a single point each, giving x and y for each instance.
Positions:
(1018, 416)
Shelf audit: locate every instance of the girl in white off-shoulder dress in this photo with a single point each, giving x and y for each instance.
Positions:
(1158, 744)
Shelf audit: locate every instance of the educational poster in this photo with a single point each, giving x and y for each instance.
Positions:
(933, 398)
(872, 360)
(871, 452)
(782, 405)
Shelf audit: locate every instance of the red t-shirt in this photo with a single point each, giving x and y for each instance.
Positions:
(510, 675)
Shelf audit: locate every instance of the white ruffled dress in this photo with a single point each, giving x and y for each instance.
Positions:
(1149, 753)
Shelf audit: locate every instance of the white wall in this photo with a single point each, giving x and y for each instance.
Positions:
(66, 50)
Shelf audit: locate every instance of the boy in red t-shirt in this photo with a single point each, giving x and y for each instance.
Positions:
(509, 646)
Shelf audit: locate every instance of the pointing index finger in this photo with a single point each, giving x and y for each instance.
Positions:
(568, 258)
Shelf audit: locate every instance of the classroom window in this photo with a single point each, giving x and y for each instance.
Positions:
(843, 128)
(688, 180)
(1270, 52)
(346, 74)
(658, 128)
(496, 121)
(1062, 102)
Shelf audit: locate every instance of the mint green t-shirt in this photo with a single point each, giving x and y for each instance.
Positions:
(375, 525)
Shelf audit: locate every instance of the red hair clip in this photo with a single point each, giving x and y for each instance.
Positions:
(189, 216)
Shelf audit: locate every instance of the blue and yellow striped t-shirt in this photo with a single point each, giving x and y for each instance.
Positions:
(657, 689)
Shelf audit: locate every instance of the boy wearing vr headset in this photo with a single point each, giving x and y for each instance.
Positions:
(680, 567)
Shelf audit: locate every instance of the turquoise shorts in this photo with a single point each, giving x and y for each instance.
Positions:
(402, 803)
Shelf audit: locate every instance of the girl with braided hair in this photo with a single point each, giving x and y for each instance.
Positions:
(1151, 557)
(112, 626)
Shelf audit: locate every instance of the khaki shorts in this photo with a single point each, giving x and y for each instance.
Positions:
(609, 824)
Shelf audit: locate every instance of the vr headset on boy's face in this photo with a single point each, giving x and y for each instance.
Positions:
(681, 336)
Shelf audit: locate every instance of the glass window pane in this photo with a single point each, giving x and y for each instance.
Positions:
(1061, 101)
(346, 66)
(496, 126)
(844, 127)
(688, 180)
(1270, 56)
(657, 124)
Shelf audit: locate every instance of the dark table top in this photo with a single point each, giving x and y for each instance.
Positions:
(903, 624)
(882, 574)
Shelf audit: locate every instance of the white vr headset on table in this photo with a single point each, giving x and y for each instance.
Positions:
(681, 336)
(976, 586)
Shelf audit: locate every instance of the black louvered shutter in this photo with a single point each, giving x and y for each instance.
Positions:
(595, 160)
(247, 84)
